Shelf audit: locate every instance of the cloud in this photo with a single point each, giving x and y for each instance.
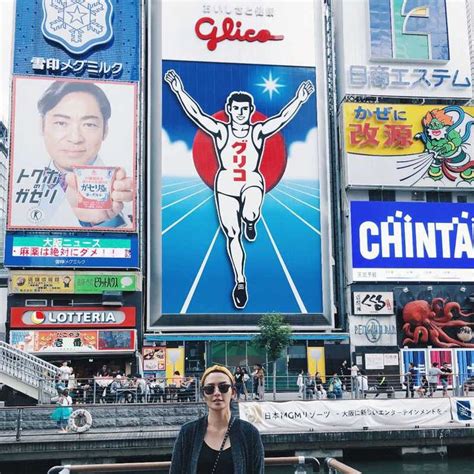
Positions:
(177, 159)
(303, 159)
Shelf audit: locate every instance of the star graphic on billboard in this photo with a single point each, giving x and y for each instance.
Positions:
(270, 85)
(76, 15)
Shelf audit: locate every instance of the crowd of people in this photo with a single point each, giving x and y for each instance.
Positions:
(115, 387)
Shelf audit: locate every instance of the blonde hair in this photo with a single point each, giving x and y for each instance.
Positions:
(217, 368)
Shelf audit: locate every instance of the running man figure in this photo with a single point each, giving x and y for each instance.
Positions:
(239, 186)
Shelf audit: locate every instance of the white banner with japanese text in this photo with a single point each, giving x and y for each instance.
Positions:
(346, 414)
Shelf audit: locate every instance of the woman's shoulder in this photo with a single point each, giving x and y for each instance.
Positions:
(193, 425)
(246, 427)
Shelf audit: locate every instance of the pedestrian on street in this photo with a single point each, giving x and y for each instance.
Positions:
(300, 384)
(239, 381)
(444, 378)
(410, 380)
(63, 410)
(433, 373)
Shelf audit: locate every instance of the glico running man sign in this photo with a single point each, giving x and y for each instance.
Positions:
(412, 241)
(243, 179)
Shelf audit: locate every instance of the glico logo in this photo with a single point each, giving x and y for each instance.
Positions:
(409, 30)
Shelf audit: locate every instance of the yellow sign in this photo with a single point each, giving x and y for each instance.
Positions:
(58, 282)
(174, 362)
(402, 129)
(316, 361)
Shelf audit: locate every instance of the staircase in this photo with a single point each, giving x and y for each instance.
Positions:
(27, 374)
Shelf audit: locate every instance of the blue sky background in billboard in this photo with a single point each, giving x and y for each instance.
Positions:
(197, 276)
(124, 47)
(409, 30)
(412, 235)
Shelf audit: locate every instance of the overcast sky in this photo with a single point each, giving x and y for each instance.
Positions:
(6, 24)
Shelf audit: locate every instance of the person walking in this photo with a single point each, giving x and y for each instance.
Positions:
(444, 378)
(239, 382)
(410, 380)
(261, 383)
(245, 379)
(63, 411)
(300, 384)
(218, 443)
(433, 373)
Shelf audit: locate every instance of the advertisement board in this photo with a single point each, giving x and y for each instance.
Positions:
(74, 341)
(402, 145)
(373, 302)
(64, 282)
(403, 49)
(373, 331)
(86, 251)
(154, 359)
(75, 317)
(73, 155)
(230, 178)
(81, 38)
(410, 241)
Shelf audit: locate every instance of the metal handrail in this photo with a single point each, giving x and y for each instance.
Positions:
(27, 368)
(165, 465)
(333, 465)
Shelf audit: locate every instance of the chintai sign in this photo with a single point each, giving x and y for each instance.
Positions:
(412, 241)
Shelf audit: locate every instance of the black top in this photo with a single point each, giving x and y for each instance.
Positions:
(207, 458)
(245, 445)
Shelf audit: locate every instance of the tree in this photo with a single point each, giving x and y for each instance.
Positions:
(274, 338)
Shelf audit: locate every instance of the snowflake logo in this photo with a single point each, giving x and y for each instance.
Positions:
(78, 25)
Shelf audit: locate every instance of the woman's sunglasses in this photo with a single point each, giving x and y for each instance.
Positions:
(222, 387)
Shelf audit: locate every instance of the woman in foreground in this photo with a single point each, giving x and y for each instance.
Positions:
(218, 443)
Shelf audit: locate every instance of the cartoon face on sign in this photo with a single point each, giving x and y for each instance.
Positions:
(239, 183)
(446, 136)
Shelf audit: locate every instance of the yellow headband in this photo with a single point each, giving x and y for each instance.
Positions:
(217, 368)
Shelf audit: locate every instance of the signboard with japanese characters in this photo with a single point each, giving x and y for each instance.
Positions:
(373, 302)
(403, 49)
(61, 282)
(401, 145)
(87, 251)
(373, 331)
(268, 163)
(325, 415)
(412, 241)
(97, 39)
(71, 317)
(73, 155)
(73, 341)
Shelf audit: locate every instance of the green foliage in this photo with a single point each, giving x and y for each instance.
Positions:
(275, 335)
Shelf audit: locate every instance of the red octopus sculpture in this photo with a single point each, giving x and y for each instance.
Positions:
(425, 322)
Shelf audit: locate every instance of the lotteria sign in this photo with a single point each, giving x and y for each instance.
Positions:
(412, 241)
(72, 317)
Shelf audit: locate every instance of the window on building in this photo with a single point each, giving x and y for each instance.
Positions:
(438, 196)
(461, 199)
(417, 196)
(381, 195)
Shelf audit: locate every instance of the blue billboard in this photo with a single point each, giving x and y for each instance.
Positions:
(431, 237)
(241, 202)
(71, 250)
(80, 38)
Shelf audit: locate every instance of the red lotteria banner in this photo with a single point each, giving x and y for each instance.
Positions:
(72, 317)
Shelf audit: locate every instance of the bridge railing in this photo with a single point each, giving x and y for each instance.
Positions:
(305, 465)
(28, 369)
